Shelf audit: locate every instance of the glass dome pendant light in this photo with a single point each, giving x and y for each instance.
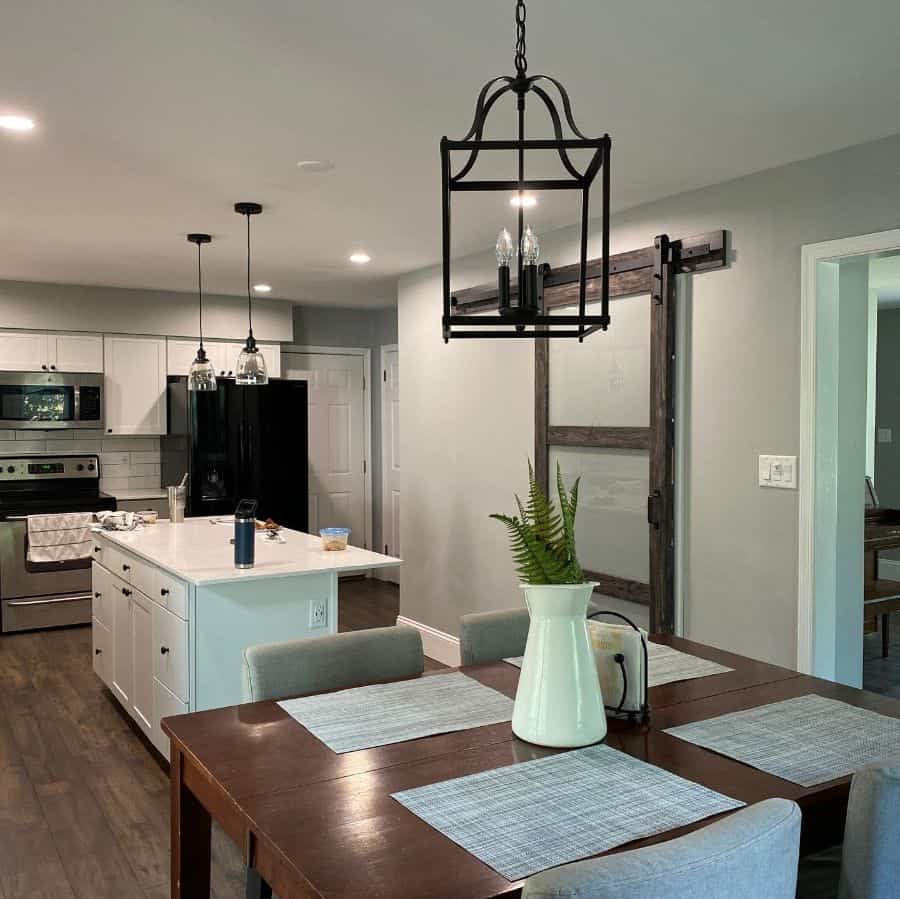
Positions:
(202, 375)
(251, 366)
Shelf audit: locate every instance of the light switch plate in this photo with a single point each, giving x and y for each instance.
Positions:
(885, 435)
(778, 471)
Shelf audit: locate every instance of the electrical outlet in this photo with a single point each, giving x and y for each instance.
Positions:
(318, 613)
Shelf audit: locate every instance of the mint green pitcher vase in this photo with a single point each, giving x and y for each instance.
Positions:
(558, 702)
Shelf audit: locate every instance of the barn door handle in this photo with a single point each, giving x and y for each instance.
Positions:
(652, 509)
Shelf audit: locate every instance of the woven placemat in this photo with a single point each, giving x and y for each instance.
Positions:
(807, 740)
(526, 818)
(377, 715)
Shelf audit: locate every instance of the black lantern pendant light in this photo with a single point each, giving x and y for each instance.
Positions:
(202, 375)
(520, 307)
(251, 366)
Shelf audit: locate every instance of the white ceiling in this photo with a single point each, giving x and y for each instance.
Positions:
(154, 117)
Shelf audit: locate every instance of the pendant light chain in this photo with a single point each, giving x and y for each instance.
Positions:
(521, 61)
(249, 300)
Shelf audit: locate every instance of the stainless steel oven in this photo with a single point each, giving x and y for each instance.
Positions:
(44, 594)
(45, 400)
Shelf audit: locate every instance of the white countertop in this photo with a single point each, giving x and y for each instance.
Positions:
(200, 552)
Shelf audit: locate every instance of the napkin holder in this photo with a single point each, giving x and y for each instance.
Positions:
(620, 652)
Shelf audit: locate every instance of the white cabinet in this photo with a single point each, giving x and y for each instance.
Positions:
(103, 601)
(142, 662)
(122, 650)
(75, 352)
(48, 351)
(170, 657)
(23, 351)
(223, 355)
(135, 381)
(102, 649)
(166, 704)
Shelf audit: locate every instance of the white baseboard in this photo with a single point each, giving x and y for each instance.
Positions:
(889, 569)
(437, 645)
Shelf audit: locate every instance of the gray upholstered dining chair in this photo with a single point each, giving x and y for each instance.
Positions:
(317, 664)
(751, 854)
(868, 864)
(492, 636)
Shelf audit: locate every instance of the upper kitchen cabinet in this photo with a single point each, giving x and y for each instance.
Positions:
(135, 382)
(47, 351)
(223, 355)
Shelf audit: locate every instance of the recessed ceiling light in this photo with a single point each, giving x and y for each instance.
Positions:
(16, 123)
(526, 201)
(315, 166)
(262, 288)
(360, 258)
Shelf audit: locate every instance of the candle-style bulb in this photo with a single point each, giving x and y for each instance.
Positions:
(531, 249)
(504, 247)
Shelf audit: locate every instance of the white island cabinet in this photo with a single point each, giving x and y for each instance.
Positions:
(172, 615)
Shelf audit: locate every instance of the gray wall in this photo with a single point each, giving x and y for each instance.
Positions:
(329, 327)
(887, 407)
(76, 307)
(467, 427)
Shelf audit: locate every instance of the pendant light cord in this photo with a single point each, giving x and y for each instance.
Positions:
(200, 291)
(249, 301)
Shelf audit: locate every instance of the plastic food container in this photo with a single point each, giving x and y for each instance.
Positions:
(334, 539)
(149, 516)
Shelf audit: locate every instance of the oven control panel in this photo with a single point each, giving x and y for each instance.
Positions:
(41, 468)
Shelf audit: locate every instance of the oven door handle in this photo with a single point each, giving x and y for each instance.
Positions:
(46, 602)
(14, 518)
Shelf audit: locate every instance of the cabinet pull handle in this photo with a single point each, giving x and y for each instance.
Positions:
(97, 595)
(96, 549)
(97, 652)
(43, 368)
(52, 368)
(164, 592)
(126, 591)
(126, 568)
(163, 650)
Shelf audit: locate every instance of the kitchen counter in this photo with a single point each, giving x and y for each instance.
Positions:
(172, 616)
(200, 552)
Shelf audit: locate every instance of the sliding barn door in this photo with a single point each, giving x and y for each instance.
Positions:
(604, 413)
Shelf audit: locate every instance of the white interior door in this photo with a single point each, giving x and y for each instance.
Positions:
(337, 430)
(390, 458)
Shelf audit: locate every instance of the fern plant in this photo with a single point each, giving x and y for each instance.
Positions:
(542, 537)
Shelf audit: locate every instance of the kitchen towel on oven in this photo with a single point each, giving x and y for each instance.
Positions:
(59, 538)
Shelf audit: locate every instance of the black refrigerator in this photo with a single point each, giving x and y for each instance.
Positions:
(240, 443)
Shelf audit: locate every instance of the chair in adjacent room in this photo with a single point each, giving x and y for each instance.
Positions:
(751, 854)
(319, 664)
(868, 864)
(492, 636)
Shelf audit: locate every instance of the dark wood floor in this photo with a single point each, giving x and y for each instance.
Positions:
(84, 802)
(882, 675)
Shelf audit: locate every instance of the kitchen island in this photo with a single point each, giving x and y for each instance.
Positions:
(172, 615)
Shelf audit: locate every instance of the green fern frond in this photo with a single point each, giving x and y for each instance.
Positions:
(542, 538)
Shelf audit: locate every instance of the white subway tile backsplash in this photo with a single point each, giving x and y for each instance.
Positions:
(108, 470)
(34, 434)
(143, 482)
(7, 435)
(131, 444)
(118, 458)
(111, 485)
(12, 447)
(68, 436)
(144, 471)
(145, 458)
(84, 446)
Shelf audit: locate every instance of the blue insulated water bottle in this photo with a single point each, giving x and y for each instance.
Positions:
(245, 533)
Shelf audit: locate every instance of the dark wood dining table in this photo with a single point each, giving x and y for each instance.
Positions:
(314, 823)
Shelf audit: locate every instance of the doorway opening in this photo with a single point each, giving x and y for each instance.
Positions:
(849, 571)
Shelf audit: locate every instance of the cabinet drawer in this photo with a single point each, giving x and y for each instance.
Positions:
(117, 562)
(102, 599)
(170, 658)
(171, 592)
(166, 704)
(102, 650)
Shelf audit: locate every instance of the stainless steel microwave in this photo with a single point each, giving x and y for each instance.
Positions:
(50, 400)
